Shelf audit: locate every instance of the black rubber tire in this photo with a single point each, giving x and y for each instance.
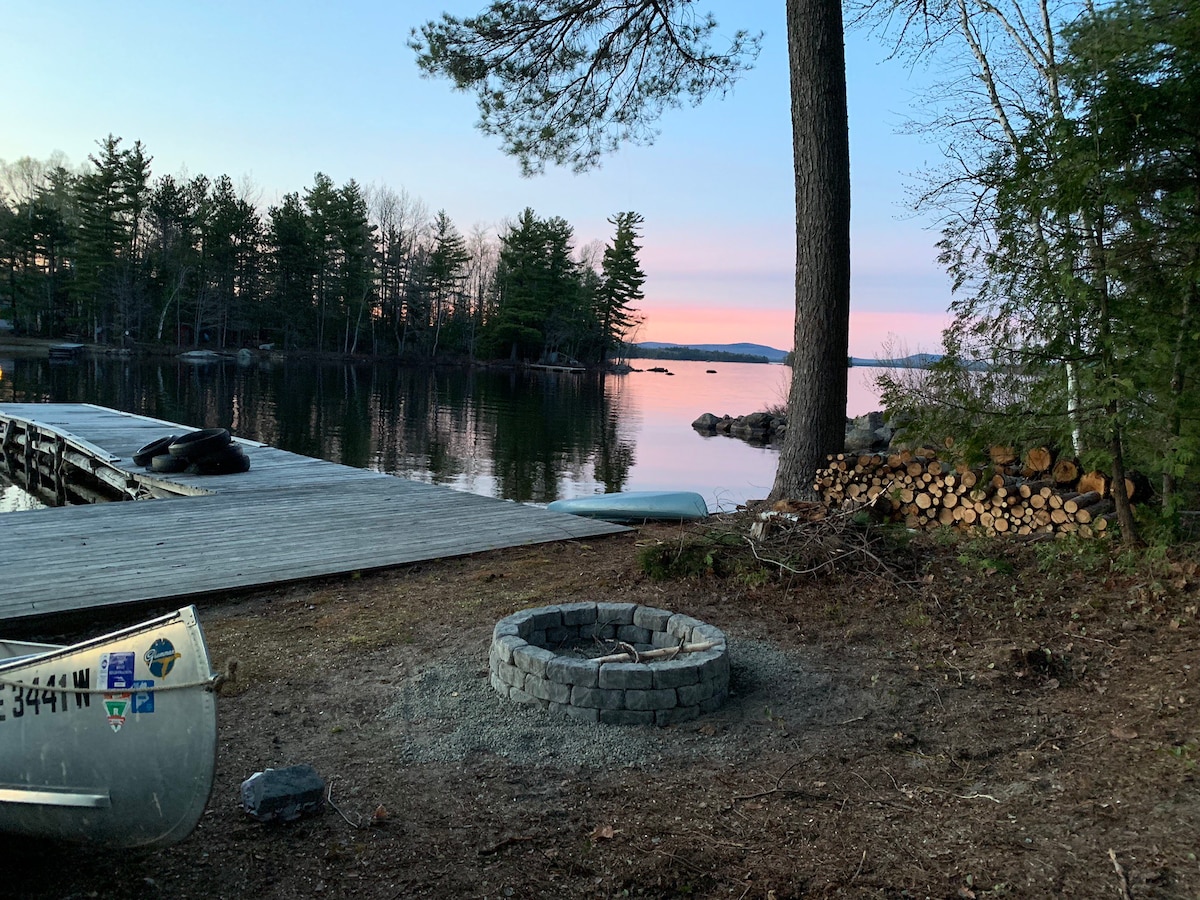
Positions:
(198, 444)
(154, 448)
(166, 463)
(229, 460)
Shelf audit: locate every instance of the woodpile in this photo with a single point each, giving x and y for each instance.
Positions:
(1026, 495)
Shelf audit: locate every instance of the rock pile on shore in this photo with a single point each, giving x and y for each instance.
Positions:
(864, 433)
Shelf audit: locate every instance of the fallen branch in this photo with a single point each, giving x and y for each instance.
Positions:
(508, 841)
(661, 653)
(338, 809)
(1126, 891)
(779, 788)
(858, 871)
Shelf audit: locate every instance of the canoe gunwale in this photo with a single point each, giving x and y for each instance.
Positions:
(47, 796)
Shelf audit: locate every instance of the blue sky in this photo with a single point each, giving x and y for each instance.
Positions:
(277, 91)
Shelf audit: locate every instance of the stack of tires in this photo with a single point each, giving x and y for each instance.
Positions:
(209, 451)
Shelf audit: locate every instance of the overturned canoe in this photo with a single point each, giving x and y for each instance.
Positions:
(112, 740)
(636, 506)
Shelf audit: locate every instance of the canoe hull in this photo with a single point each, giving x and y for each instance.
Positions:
(112, 740)
(636, 506)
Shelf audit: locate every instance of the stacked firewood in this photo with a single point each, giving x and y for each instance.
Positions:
(1032, 495)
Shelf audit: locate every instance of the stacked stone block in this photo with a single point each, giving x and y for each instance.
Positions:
(534, 658)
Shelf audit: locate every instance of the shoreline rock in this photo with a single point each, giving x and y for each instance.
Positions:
(864, 433)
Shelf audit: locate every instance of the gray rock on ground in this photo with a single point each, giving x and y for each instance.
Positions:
(282, 795)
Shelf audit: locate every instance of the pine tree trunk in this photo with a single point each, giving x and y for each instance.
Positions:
(821, 159)
(1120, 495)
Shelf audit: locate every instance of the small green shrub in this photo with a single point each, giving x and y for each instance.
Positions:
(1078, 554)
(1185, 754)
(665, 562)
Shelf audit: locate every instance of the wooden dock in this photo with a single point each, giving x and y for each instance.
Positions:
(289, 518)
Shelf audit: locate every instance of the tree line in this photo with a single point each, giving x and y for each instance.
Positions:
(113, 254)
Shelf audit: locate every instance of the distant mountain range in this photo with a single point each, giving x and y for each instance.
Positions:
(770, 353)
(912, 361)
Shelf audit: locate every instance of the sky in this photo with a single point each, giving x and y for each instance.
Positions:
(271, 93)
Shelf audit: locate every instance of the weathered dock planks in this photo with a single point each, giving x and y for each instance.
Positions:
(289, 518)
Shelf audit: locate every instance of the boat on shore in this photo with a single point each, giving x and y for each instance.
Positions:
(112, 740)
(636, 506)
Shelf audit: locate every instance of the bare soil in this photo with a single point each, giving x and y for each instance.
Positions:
(982, 719)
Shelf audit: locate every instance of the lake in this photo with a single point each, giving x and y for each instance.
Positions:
(531, 437)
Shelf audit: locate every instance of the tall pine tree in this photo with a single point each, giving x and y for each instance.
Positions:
(621, 285)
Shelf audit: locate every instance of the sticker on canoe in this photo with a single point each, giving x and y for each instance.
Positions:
(143, 699)
(116, 670)
(161, 657)
(115, 706)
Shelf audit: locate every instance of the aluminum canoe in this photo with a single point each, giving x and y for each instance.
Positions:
(112, 740)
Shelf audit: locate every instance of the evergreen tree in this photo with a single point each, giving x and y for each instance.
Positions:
(100, 241)
(622, 280)
(34, 238)
(11, 259)
(522, 286)
(322, 204)
(355, 240)
(541, 301)
(562, 299)
(443, 276)
(232, 237)
(291, 270)
(1133, 66)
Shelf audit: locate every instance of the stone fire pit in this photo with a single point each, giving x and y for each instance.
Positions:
(541, 656)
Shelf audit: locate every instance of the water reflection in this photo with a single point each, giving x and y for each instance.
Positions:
(524, 436)
(512, 434)
(13, 499)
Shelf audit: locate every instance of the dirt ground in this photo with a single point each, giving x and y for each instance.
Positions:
(992, 720)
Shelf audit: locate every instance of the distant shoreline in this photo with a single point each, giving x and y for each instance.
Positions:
(913, 361)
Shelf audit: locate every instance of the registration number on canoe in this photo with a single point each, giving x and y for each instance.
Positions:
(35, 699)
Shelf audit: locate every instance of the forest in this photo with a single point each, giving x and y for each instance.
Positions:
(108, 252)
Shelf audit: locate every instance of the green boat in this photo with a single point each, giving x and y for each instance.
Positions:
(636, 506)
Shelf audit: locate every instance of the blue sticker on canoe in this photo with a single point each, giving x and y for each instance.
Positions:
(143, 699)
(161, 657)
(116, 670)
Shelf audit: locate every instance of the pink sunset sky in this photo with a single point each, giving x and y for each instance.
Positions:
(274, 91)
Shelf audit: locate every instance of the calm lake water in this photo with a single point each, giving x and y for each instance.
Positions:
(523, 436)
